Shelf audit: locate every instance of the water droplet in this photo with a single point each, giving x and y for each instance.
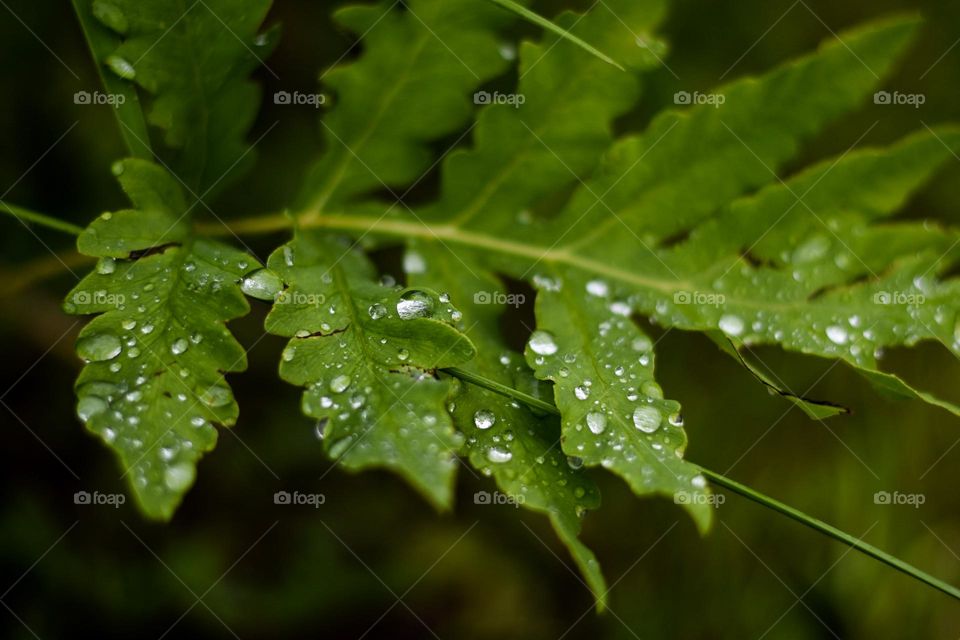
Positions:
(110, 15)
(340, 383)
(106, 266)
(647, 419)
(598, 288)
(498, 455)
(121, 67)
(731, 325)
(581, 392)
(377, 311)
(216, 396)
(262, 284)
(99, 347)
(574, 462)
(837, 334)
(484, 419)
(128, 325)
(146, 329)
(89, 406)
(413, 262)
(415, 304)
(403, 355)
(542, 343)
(179, 476)
(320, 428)
(596, 422)
(179, 346)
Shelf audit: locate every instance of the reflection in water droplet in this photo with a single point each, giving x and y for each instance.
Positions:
(484, 419)
(415, 304)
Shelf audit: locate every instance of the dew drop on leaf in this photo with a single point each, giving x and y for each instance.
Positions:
(121, 67)
(542, 343)
(262, 284)
(837, 334)
(99, 347)
(106, 266)
(596, 422)
(731, 325)
(89, 406)
(340, 383)
(216, 396)
(647, 419)
(179, 476)
(179, 346)
(484, 419)
(415, 304)
(498, 455)
(377, 311)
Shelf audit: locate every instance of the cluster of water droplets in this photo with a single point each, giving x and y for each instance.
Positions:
(614, 412)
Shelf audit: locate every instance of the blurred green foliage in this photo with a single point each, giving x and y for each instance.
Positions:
(263, 570)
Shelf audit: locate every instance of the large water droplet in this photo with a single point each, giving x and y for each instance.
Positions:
(498, 455)
(89, 406)
(99, 347)
(731, 325)
(179, 346)
(596, 422)
(484, 419)
(340, 383)
(837, 334)
(106, 266)
(121, 67)
(647, 419)
(377, 311)
(415, 304)
(179, 476)
(216, 396)
(262, 284)
(542, 343)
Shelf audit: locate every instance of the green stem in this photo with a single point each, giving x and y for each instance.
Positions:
(38, 218)
(832, 532)
(743, 490)
(543, 23)
(103, 42)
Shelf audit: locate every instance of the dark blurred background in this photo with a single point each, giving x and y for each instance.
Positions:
(231, 563)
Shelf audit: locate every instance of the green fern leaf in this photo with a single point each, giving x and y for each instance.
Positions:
(153, 386)
(367, 354)
(194, 59)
